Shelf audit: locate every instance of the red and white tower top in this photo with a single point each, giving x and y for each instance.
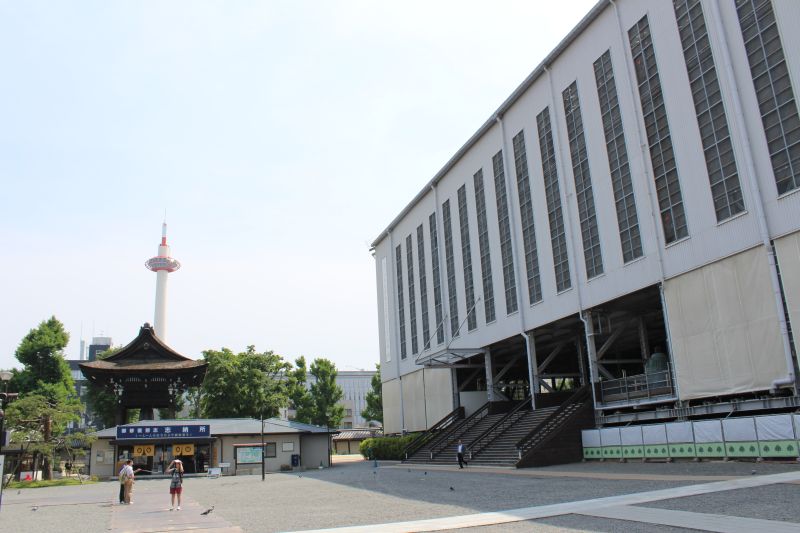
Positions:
(162, 265)
(163, 261)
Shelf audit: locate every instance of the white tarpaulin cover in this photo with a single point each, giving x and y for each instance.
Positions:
(788, 250)
(679, 432)
(707, 431)
(739, 429)
(774, 427)
(724, 328)
(610, 437)
(591, 438)
(631, 436)
(654, 434)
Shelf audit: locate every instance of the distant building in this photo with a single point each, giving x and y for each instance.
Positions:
(98, 346)
(355, 386)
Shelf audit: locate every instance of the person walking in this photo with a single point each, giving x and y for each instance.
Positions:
(460, 454)
(176, 482)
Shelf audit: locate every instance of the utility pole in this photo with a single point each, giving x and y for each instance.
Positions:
(263, 452)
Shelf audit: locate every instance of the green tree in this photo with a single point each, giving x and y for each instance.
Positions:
(39, 422)
(247, 384)
(297, 390)
(100, 401)
(374, 399)
(326, 394)
(41, 353)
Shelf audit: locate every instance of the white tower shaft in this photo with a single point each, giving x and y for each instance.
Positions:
(162, 265)
(160, 317)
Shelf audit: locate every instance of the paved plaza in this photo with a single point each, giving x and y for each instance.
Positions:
(355, 496)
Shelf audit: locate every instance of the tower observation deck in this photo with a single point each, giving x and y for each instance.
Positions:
(162, 265)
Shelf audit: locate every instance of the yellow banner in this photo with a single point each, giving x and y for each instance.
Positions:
(182, 449)
(143, 449)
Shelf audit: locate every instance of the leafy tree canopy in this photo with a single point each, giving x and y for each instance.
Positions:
(247, 384)
(326, 394)
(374, 399)
(299, 396)
(41, 353)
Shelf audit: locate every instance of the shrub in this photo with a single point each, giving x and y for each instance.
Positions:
(385, 448)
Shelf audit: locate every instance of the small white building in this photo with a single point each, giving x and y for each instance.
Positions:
(210, 443)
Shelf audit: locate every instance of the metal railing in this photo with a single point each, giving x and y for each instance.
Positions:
(433, 431)
(480, 442)
(459, 428)
(640, 386)
(545, 428)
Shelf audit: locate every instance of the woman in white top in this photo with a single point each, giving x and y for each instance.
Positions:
(176, 483)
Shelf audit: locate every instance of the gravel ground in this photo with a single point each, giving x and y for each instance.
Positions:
(357, 494)
(70, 509)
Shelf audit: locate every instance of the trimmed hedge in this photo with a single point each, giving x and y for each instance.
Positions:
(386, 448)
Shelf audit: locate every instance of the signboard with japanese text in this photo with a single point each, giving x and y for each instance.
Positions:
(182, 449)
(147, 450)
(177, 431)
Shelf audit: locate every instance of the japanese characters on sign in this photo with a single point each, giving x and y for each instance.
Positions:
(161, 432)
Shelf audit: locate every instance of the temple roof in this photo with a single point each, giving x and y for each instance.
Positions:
(145, 353)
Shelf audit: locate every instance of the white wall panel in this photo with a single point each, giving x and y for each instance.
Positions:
(788, 251)
(392, 422)
(724, 328)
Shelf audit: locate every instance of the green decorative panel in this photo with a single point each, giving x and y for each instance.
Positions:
(656, 450)
(612, 452)
(710, 449)
(683, 449)
(778, 448)
(633, 452)
(593, 453)
(741, 449)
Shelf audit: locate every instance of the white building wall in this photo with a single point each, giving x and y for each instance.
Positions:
(708, 241)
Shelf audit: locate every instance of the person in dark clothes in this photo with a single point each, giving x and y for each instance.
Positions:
(460, 454)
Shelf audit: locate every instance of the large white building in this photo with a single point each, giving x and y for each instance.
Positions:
(638, 194)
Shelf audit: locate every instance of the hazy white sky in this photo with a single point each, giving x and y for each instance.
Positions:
(281, 138)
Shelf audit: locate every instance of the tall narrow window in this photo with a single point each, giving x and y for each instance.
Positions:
(773, 87)
(723, 176)
(437, 278)
(665, 173)
(483, 242)
(412, 295)
(583, 182)
(451, 268)
(503, 222)
(526, 218)
(552, 194)
(423, 288)
(620, 170)
(466, 258)
(401, 301)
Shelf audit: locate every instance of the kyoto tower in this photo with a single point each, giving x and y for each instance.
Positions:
(162, 265)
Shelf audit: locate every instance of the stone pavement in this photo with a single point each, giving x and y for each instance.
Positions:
(149, 513)
(632, 497)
